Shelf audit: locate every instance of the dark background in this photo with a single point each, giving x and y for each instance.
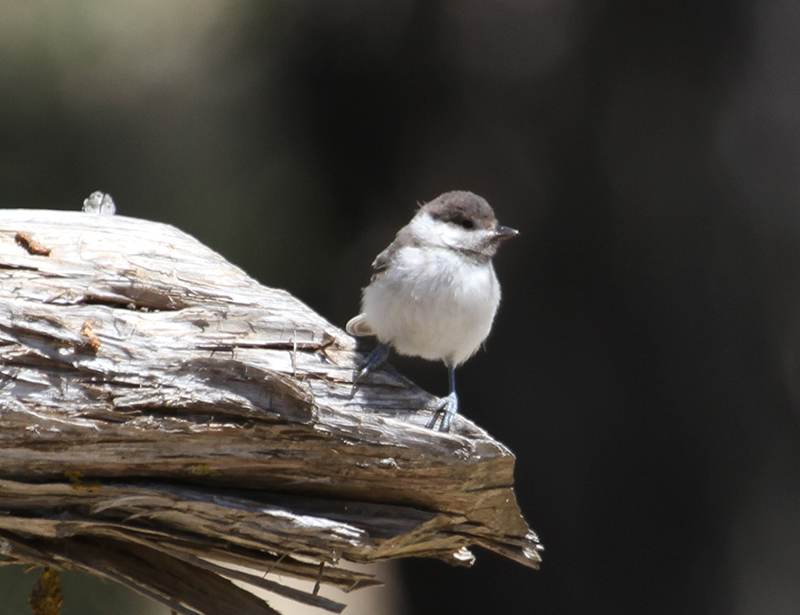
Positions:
(645, 363)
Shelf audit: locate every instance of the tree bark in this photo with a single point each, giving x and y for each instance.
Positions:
(163, 416)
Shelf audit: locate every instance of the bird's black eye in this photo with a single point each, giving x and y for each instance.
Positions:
(467, 223)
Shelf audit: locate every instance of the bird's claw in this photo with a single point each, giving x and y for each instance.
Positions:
(375, 359)
(447, 408)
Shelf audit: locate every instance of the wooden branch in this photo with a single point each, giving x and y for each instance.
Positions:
(164, 417)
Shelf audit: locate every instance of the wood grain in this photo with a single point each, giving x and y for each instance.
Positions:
(164, 417)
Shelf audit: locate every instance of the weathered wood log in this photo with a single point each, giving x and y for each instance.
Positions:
(163, 417)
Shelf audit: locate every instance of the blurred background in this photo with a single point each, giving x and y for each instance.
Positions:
(645, 363)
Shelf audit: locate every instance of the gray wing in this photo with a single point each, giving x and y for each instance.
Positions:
(385, 258)
(358, 325)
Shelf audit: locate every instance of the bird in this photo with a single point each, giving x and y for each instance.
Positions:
(434, 292)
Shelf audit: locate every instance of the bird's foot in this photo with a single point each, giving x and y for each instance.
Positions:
(375, 359)
(447, 408)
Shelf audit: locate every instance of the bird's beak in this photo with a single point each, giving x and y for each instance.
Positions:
(502, 233)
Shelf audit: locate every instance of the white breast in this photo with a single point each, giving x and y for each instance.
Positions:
(433, 303)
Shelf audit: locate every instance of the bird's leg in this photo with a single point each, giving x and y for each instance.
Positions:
(448, 406)
(375, 359)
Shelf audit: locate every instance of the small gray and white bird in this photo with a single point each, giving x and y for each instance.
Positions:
(434, 292)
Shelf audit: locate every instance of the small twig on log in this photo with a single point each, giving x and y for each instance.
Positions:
(164, 417)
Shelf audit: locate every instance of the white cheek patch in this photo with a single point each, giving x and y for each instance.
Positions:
(438, 233)
(453, 235)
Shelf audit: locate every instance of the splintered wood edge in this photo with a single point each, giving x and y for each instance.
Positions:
(132, 351)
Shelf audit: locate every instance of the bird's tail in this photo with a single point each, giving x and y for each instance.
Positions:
(359, 326)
